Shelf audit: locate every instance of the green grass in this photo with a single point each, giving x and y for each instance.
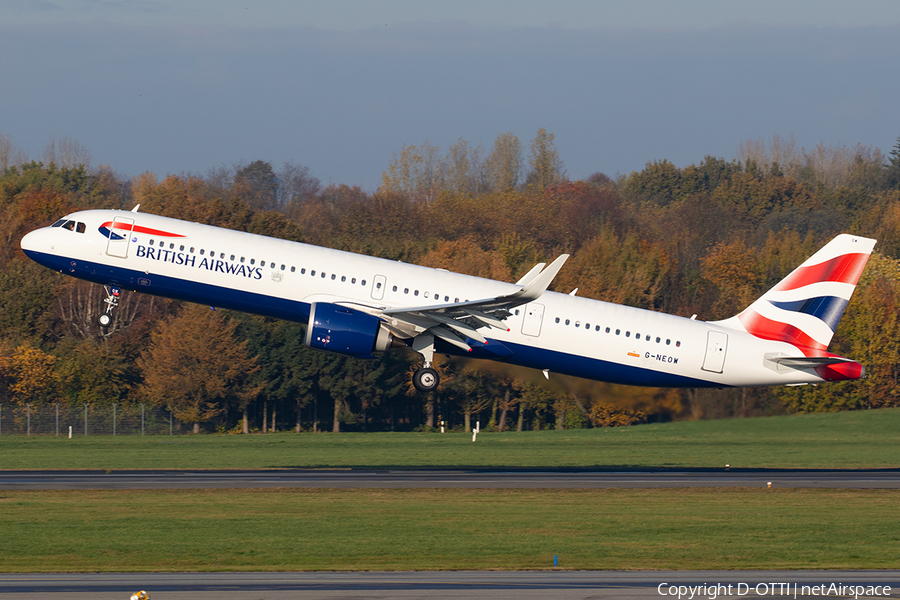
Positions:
(213, 530)
(864, 439)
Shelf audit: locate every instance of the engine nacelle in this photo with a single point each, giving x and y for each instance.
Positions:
(343, 330)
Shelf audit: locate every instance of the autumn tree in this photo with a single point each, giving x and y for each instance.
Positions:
(195, 366)
(296, 188)
(464, 169)
(732, 268)
(503, 166)
(892, 168)
(66, 153)
(34, 377)
(91, 373)
(416, 171)
(546, 165)
(257, 185)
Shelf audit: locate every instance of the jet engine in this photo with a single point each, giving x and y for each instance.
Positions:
(343, 330)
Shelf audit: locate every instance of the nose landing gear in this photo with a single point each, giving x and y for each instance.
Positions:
(112, 301)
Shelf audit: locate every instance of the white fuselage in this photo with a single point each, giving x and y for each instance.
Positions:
(278, 278)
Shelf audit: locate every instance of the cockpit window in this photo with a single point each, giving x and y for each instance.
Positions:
(70, 225)
(79, 227)
(58, 223)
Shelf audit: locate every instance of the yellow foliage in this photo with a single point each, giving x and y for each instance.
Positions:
(33, 374)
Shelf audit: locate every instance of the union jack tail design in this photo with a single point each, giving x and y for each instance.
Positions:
(805, 307)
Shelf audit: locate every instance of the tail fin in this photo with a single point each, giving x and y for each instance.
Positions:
(805, 307)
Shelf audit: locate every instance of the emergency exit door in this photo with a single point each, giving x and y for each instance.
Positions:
(716, 347)
(534, 316)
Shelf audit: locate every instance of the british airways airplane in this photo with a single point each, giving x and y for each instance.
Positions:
(359, 305)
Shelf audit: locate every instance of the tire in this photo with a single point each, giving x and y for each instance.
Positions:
(104, 320)
(426, 380)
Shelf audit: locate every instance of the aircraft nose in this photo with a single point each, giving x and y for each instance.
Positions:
(32, 241)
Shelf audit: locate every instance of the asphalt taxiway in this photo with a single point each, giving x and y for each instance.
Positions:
(455, 478)
(469, 585)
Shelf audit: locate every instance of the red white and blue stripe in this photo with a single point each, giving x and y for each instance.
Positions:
(805, 307)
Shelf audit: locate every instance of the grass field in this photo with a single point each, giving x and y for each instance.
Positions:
(213, 530)
(296, 529)
(864, 439)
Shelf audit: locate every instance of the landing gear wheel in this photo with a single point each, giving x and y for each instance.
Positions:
(426, 380)
(105, 319)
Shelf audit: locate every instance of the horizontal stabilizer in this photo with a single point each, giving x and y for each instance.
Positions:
(809, 362)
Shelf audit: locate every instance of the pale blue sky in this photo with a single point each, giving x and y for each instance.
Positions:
(339, 86)
(361, 14)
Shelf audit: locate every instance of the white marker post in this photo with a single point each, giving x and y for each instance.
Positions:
(70, 432)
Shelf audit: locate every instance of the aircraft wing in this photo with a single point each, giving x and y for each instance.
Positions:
(455, 322)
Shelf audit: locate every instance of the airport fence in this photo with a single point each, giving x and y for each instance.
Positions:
(65, 420)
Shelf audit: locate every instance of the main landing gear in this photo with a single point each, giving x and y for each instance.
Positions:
(425, 379)
(112, 301)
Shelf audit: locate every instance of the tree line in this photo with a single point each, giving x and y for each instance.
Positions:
(706, 239)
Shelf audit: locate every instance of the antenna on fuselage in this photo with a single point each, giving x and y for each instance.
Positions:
(136, 207)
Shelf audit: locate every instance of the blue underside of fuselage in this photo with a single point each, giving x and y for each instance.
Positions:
(294, 310)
